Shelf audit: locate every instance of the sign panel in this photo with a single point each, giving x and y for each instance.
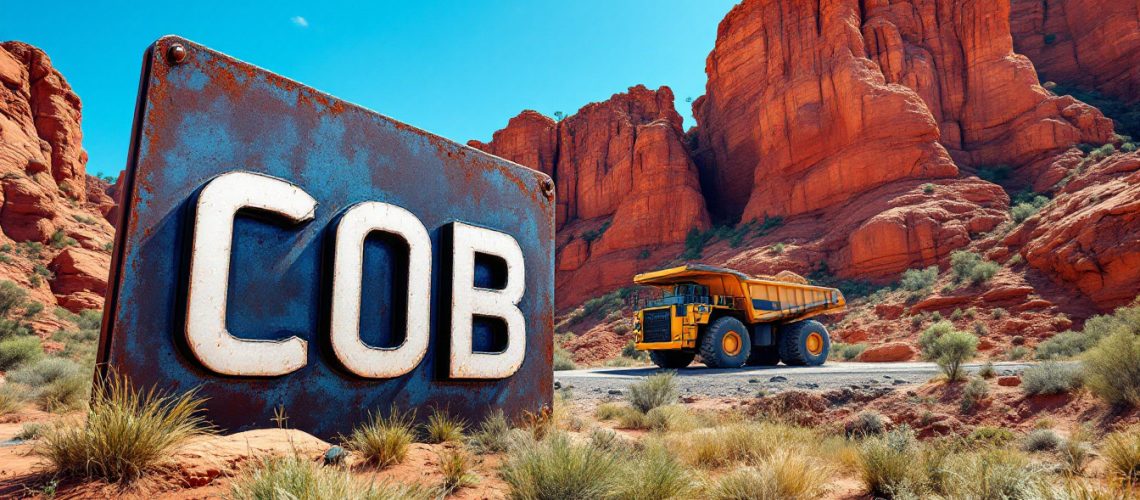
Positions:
(280, 249)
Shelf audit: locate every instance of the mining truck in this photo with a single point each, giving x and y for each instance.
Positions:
(732, 319)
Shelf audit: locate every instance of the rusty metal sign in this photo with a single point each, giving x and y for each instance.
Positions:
(280, 249)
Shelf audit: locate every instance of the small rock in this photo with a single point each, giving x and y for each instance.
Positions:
(1009, 381)
(886, 376)
(898, 382)
(335, 456)
(557, 384)
(753, 381)
(778, 378)
(615, 392)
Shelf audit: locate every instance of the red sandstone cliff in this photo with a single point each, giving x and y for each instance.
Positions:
(54, 240)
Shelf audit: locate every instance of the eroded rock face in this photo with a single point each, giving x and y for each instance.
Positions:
(796, 118)
(1089, 236)
(625, 184)
(49, 204)
(1092, 44)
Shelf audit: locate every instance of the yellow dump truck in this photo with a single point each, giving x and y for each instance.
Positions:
(732, 319)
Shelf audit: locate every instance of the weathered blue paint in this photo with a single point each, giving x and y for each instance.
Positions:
(212, 114)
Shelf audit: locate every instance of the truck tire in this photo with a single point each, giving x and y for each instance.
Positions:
(672, 359)
(804, 343)
(764, 356)
(725, 343)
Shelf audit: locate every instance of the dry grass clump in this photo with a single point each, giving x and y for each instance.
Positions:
(557, 467)
(973, 394)
(493, 434)
(994, 473)
(295, 478)
(455, 465)
(783, 476)
(1121, 452)
(674, 418)
(655, 390)
(1050, 377)
(54, 383)
(383, 441)
(743, 442)
(1041, 440)
(609, 411)
(12, 397)
(127, 434)
(653, 475)
(1112, 368)
(441, 427)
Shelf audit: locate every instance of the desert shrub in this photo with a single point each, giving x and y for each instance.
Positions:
(559, 468)
(608, 411)
(622, 329)
(54, 383)
(563, 360)
(654, 475)
(455, 467)
(991, 436)
(846, 352)
(655, 390)
(1121, 452)
(974, 392)
(784, 476)
(383, 440)
(887, 463)
(1017, 352)
(12, 397)
(606, 304)
(778, 248)
(670, 418)
(957, 314)
(12, 296)
(919, 281)
(695, 242)
(1112, 369)
(980, 329)
(1075, 452)
(987, 370)
(630, 351)
(1065, 345)
(30, 431)
(971, 267)
(294, 478)
(17, 351)
(998, 313)
(867, 423)
(1025, 210)
(442, 427)
(993, 473)
(128, 433)
(594, 234)
(948, 347)
(1041, 440)
(1050, 378)
(1017, 340)
(928, 188)
(493, 434)
(749, 442)
(632, 418)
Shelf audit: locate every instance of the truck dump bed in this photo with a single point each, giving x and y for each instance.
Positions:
(768, 299)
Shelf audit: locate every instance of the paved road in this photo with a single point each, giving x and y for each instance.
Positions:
(600, 383)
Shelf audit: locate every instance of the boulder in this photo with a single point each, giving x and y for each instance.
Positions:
(887, 353)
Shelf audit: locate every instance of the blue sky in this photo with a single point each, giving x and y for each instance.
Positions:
(458, 69)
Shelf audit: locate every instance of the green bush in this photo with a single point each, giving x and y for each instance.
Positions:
(971, 267)
(928, 188)
(778, 248)
(867, 423)
(1025, 210)
(948, 347)
(17, 351)
(847, 352)
(563, 360)
(887, 463)
(556, 468)
(992, 436)
(919, 281)
(695, 242)
(655, 390)
(12, 296)
(54, 383)
(1112, 369)
(976, 391)
(1050, 378)
(12, 397)
(442, 427)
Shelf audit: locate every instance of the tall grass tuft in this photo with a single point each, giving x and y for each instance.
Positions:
(887, 463)
(493, 434)
(383, 441)
(294, 478)
(655, 390)
(556, 467)
(441, 427)
(11, 398)
(455, 465)
(1121, 451)
(655, 475)
(128, 433)
(783, 476)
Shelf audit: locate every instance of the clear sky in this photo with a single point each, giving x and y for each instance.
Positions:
(459, 69)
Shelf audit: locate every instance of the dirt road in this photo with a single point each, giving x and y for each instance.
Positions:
(604, 383)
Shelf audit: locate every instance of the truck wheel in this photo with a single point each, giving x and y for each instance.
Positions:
(764, 356)
(726, 343)
(804, 343)
(672, 359)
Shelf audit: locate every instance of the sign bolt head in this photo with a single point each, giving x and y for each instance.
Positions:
(548, 188)
(177, 53)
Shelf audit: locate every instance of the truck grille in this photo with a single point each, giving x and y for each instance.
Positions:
(657, 326)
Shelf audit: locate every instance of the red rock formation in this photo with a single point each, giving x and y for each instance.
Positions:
(958, 55)
(888, 353)
(624, 181)
(1089, 236)
(1092, 44)
(47, 197)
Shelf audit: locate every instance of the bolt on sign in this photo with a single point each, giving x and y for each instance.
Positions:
(282, 249)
